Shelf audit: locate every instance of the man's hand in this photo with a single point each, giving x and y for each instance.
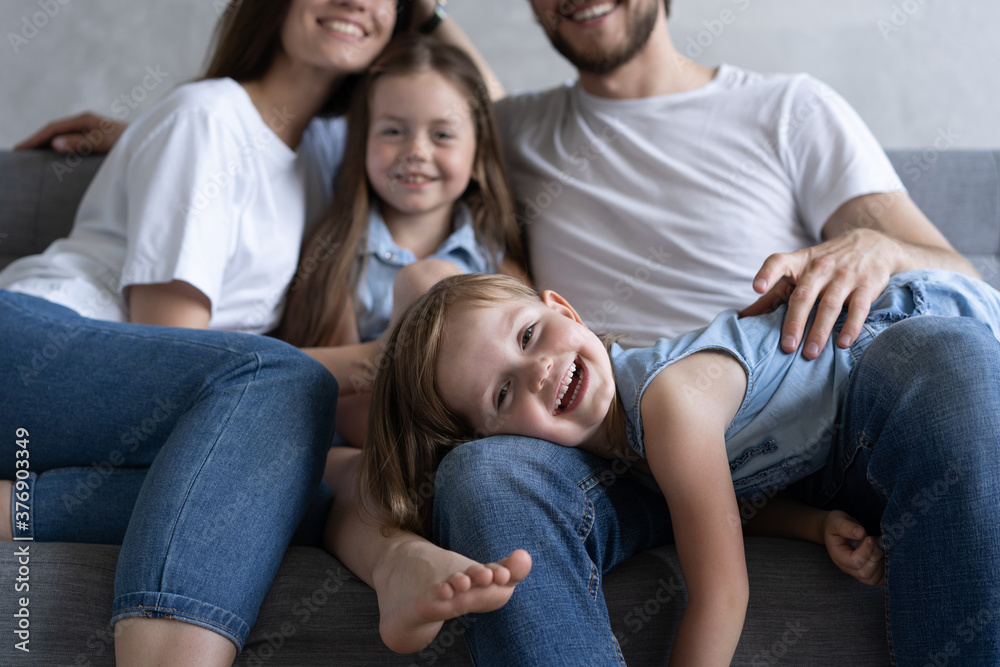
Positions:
(85, 133)
(852, 551)
(850, 270)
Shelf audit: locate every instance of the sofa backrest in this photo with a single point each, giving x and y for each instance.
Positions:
(958, 189)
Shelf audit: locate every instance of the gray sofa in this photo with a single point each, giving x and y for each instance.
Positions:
(802, 609)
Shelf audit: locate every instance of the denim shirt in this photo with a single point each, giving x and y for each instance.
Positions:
(373, 300)
(784, 427)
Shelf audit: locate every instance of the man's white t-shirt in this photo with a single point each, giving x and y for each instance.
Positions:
(198, 189)
(653, 215)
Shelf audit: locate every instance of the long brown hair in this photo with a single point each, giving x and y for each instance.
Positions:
(321, 289)
(248, 37)
(410, 427)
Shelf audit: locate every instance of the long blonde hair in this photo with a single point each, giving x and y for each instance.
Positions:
(410, 427)
(328, 268)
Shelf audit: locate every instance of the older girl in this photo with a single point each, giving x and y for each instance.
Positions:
(428, 197)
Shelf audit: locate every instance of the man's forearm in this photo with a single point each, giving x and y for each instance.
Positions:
(912, 256)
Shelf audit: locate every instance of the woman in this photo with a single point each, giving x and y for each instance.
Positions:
(195, 221)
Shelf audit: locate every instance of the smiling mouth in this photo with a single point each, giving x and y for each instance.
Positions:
(591, 13)
(571, 388)
(344, 28)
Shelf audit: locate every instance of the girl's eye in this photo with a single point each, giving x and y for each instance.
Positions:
(501, 396)
(442, 136)
(390, 132)
(526, 336)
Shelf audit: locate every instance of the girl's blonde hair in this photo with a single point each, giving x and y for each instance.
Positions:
(328, 266)
(410, 428)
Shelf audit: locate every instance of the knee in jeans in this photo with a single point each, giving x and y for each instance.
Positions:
(939, 349)
(493, 471)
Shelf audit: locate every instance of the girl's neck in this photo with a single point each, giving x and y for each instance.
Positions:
(289, 95)
(420, 233)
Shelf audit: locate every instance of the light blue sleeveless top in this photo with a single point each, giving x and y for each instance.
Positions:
(787, 421)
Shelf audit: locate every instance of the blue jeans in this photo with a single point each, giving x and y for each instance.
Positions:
(199, 451)
(916, 458)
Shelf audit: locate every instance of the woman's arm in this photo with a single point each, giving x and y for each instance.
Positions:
(686, 450)
(173, 304)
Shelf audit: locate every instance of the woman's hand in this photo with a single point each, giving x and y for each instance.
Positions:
(84, 133)
(852, 550)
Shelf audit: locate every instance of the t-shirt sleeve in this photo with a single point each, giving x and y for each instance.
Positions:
(185, 189)
(831, 155)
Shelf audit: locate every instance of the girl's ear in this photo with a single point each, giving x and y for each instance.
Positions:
(560, 305)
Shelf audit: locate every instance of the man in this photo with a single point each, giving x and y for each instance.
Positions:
(654, 192)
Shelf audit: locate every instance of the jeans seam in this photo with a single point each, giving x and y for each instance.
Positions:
(888, 621)
(148, 611)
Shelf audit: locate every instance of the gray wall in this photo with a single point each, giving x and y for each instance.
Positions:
(916, 70)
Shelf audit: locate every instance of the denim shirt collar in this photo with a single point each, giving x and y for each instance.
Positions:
(381, 246)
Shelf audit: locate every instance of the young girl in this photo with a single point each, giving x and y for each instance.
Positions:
(716, 413)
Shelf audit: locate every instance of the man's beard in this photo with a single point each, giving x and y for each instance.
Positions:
(596, 61)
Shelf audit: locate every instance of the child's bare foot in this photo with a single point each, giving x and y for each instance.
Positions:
(420, 586)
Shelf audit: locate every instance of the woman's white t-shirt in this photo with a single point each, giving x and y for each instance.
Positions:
(199, 189)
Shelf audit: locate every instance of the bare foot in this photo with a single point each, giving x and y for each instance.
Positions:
(420, 586)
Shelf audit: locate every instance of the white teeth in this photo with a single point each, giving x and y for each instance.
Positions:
(593, 12)
(414, 179)
(344, 27)
(565, 387)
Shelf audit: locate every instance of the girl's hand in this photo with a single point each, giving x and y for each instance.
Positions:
(852, 550)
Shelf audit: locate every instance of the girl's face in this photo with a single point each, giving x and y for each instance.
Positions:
(526, 368)
(421, 142)
(341, 36)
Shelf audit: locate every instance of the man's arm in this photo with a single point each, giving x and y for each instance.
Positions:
(84, 133)
(869, 238)
(451, 33)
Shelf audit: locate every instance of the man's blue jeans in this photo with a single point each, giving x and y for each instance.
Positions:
(916, 458)
(198, 451)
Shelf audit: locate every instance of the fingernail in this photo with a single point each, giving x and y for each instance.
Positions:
(788, 343)
(59, 144)
(812, 350)
(844, 340)
(858, 532)
(759, 284)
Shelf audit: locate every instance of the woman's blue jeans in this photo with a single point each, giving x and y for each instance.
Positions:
(916, 457)
(198, 451)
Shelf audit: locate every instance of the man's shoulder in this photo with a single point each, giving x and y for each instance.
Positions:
(533, 104)
(737, 78)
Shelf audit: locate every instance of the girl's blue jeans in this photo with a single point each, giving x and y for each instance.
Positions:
(197, 451)
(915, 457)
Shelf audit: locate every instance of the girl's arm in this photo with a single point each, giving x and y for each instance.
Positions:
(685, 446)
(850, 547)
